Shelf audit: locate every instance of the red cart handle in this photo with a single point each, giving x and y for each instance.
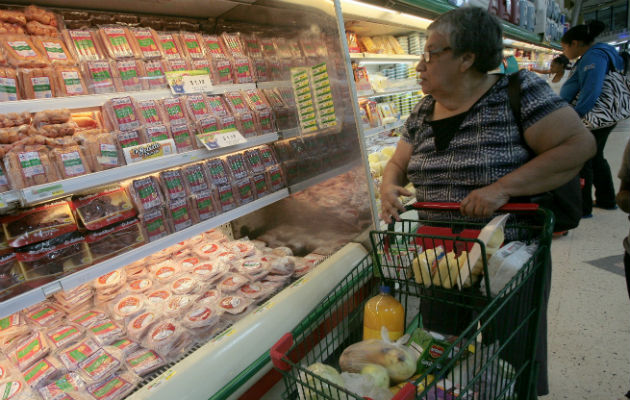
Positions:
(455, 206)
(279, 351)
(408, 392)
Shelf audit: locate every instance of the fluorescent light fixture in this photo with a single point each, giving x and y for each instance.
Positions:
(358, 8)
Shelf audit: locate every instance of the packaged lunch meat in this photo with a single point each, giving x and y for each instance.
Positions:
(98, 366)
(217, 106)
(129, 138)
(181, 214)
(115, 387)
(128, 306)
(110, 281)
(165, 271)
(37, 83)
(234, 304)
(236, 166)
(146, 193)
(16, 389)
(122, 114)
(27, 350)
(177, 64)
(275, 178)
(106, 208)
(39, 223)
(184, 137)
(144, 361)
(117, 41)
(43, 372)
(213, 46)
(192, 45)
(185, 284)
(233, 45)
(205, 204)
(139, 285)
(63, 335)
(236, 103)
(170, 46)
(150, 111)
(125, 346)
(195, 178)
(202, 316)
(69, 81)
(156, 74)
(222, 71)
(197, 107)
(21, 52)
(202, 64)
(9, 85)
(65, 253)
(261, 186)
(84, 44)
(243, 70)
(12, 326)
(55, 50)
(44, 314)
(208, 124)
(246, 124)
(74, 354)
(99, 76)
(157, 132)
(155, 223)
(102, 151)
(173, 184)
(158, 297)
(174, 110)
(68, 384)
(87, 318)
(177, 304)
(164, 336)
(242, 248)
(106, 332)
(228, 197)
(147, 42)
(131, 75)
(140, 324)
(70, 161)
(210, 297)
(115, 239)
(232, 282)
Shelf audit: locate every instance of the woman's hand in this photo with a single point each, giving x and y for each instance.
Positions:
(390, 205)
(485, 201)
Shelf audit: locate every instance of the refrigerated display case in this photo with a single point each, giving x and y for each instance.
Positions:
(118, 232)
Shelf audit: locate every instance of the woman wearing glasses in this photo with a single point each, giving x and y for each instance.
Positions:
(462, 142)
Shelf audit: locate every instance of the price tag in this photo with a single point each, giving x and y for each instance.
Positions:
(149, 150)
(220, 139)
(46, 192)
(189, 82)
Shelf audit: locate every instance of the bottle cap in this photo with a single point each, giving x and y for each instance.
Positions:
(385, 289)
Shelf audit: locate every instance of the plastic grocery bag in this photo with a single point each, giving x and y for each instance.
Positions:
(397, 358)
(506, 263)
(364, 386)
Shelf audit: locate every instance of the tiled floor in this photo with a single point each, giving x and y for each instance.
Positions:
(589, 310)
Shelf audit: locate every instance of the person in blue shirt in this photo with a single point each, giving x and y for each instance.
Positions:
(585, 85)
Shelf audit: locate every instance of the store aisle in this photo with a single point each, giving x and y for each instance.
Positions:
(589, 310)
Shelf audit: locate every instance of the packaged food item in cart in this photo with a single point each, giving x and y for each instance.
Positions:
(27, 350)
(397, 358)
(228, 197)
(425, 265)
(192, 45)
(87, 318)
(245, 190)
(231, 283)
(115, 387)
(130, 74)
(122, 115)
(181, 213)
(234, 304)
(177, 64)
(72, 355)
(184, 137)
(69, 81)
(170, 45)
(65, 334)
(128, 306)
(43, 372)
(117, 42)
(106, 332)
(54, 49)
(39, 223)
(64, 387)
(156, 74)
(99, 76)
(140, 324)
(21, 52)
(428, 347)
(144, 361)
(505, 264)
(37, 83)
(147, 42)
(155, 223)
(146, 193)
(197, 107)
(205, 204)
(9, 90)
(84, 44)
(174, 110)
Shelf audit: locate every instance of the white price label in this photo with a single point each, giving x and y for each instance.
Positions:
(219, 139)
(189, 82)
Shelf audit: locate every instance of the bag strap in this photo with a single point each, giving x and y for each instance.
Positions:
(514, 95)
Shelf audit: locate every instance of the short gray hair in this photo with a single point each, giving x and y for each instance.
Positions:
(473, 30)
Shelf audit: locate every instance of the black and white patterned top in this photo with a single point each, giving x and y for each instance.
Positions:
(486, 147)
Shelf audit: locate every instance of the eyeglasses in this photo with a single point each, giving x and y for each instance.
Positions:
(426, 56)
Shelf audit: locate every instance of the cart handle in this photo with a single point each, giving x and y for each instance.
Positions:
(279, 351)
(528, 207)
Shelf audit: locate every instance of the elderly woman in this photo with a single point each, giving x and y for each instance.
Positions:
(462, 142)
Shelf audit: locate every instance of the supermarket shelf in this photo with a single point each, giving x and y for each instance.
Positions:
(97, 100)
(290, 133)
(298, 187)
(385, 128)
(383, 58)
(273, 84)
(36, 295)
(372, 94)
(9, 199)
(49, 191)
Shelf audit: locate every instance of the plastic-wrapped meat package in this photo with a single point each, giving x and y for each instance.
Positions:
(87, 318)
(101, 149)
(237, 167)
(202, 64)
(69, 82)
(170, 45)
(128, 306)
(227, 122)
(155, 224)
(131, 75)
(144, 362)
(197, 106)
(74, 354)
(173, 184)
(217, 106)
(34, 13)
(76, 300)
(21, 52)
(12, 326)
(208, 124)
(102, 209)
(64, 335)
(111, 281)
(106, 332)
(38, 83)
(202, 316)
(122, 114)
(147, 42)
(181, 214)
(192, 45)
(157, 132)
(261, 186)
(254, 291)
(252, 45)
(156, 74)
(184, 137)
(65, 253)
(68, 384)
(267, 47)
(177, 304)
(241, 248)
(45, 314)
(243, 70)
(245, 189)
(54, 49)
(261, 69)
(158, 297)
(165, 337)
(253, 268)
(125, 346)
(27, 350)
(98, 366)
(16, 389)
(185, 284)
(210, 271)
(177, 64)
(228, 197)
(84, 44)
(246, 124)
(217, 171)
(195, 178)
(210, 297)
(139, 325)
(174, 110)
(150, 111)
(282, 265)
(117, 41)
(222, 71)
(9, 90)
(275, 177)
(99, 76)
(235, 304)
(70, 161)
(115, 239)
(232, 282)
(213, 46)
(146, 193)
(205, 204)
(267, 156)
(165, 271)
(38, 224)
(233, 45)
(139, 285)
(43, 372)
(115, 387)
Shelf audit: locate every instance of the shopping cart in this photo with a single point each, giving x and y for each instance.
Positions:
(491, 354)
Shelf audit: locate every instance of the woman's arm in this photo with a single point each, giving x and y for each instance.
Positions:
(540, 71)
(562, 145)
(394, 180)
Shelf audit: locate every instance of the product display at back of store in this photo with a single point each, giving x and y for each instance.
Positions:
(128, 141)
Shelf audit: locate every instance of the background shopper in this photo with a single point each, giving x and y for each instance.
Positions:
(584, 86)
(557, 72)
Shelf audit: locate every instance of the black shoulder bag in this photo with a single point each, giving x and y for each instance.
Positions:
(565, 201)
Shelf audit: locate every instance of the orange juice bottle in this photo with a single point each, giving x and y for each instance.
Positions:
(383, 310)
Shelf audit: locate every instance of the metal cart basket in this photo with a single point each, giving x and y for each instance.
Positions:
(490, 333)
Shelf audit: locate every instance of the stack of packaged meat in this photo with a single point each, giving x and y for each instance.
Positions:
(104, 337)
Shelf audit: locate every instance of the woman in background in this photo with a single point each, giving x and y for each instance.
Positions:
(557, 72)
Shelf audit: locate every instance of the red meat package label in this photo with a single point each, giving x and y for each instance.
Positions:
(101, 74)
(78, 353)
(125, 114)
(180, 215)
(195, 178)
(29, 350)
(198, 106)
(157, 132)
(205, 206)
(174, 110)
(150, 112)
(192, 45)
(168, 45)
(129, 74)
(224, 71)
(155, 73)
(147, 192)
(64, 334)
(213, 44)
(147, 44)
(174, 184)
(217, 106)
(182, 136)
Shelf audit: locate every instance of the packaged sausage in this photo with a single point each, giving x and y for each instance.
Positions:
(102, 151)
(84, 44)
(157, 132)
(222, 71)
(150, 111)
(147, 42)
(158, 297)
(155, 224)
(115, 239)
(65, 253)
(87, 120)
(202, 64)
(115, 387)
(261, 70)
(13, 17)
(57, 130)
(192, 45)
(38, 224)
(71, 356)
(68, 384)
(21, 52)
(243, 70)
(208, 124)
(98, 366)
(117, 41)
(165, 337)
(99, 76)
(236, 102)
(38, 83)
(128, 306)
(233, 45)
(173, 184)
(131, 75)
(177, 64)
(181, 214)
(38, 29)
(184, 137)
(9, 85)
(267, 156)
(34, 13)
(106, 332)
(205, 204)
(232, 282)
(55, 50)
(65, 334)
(146, 193)
(275, 178)
(228, 122)
(236, 166)
(246, 124)
(170, 46)
(106, 208)
(28, 350)
(195, 178)
(125, 346)
(122, 114)
(196, 106)
(227, 197)
(213, 46)
(69, 81)
(129, 138)
(87, 318)
(8, 28)
(156, 74)
(245, 189)
(70, 161)
(43, 372)
(261, 186)
(144, 362)
(174, 110)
